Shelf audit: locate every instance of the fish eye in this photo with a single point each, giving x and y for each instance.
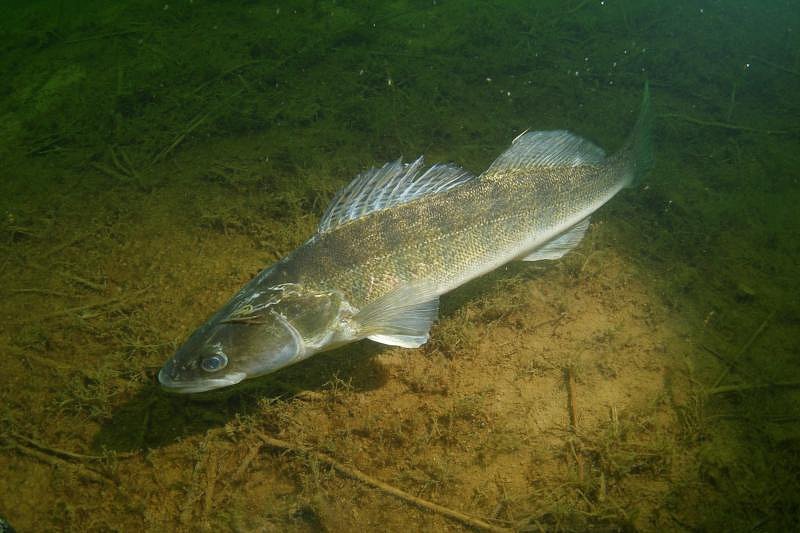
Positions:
(214, 362)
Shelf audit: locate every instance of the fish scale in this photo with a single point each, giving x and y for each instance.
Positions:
(452, 237)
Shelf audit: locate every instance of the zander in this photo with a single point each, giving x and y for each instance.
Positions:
(398, 237)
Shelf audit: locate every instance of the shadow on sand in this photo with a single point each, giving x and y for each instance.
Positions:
(154, 418)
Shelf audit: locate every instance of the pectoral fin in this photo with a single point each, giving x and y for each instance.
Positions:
(401, 318)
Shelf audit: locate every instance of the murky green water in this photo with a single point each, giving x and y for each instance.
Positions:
(156, 156)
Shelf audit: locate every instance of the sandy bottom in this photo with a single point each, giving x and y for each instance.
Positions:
(561, 395)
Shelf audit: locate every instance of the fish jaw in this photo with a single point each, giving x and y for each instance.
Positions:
(188, 387)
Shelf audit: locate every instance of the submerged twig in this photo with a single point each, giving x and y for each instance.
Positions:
(742, 350)
(68, 275)
(46, 144)
(41, 359)
(226, 73)
(105, 169)
(191, 126)
(55, 451)
(83, 281)
(211, 480)
(123, 169)
(58, 461)
(569, 378)
(575, 9)
(725, 389)
(102, 36)
(723, 125)
(245, 464)
(384, 487)
(555, 320)
(46, 292)
(775, 65)
(124, 164)
(66, 244)
(73, 310)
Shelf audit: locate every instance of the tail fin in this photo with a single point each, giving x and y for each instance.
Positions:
(636, 156)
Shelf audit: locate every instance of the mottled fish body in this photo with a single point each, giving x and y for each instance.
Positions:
(395, 239)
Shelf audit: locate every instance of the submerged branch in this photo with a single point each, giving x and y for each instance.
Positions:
(725, 389)
(723, 125)
(384, 487)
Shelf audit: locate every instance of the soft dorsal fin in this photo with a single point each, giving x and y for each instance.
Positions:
(545, 149)
(390, 185)
(561, 244)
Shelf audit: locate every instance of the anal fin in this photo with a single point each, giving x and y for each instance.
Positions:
(561, 244)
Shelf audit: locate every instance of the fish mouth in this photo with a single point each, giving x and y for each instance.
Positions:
(187, 387)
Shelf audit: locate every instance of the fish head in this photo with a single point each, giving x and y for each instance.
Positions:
(257, 334)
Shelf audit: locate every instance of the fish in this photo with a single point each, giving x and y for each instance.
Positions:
(398, 237)
(5, 527)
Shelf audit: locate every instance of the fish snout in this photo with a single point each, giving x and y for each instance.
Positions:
(172, 379)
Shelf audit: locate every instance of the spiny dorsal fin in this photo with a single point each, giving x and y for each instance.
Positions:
(545, 149)
(390, 185)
